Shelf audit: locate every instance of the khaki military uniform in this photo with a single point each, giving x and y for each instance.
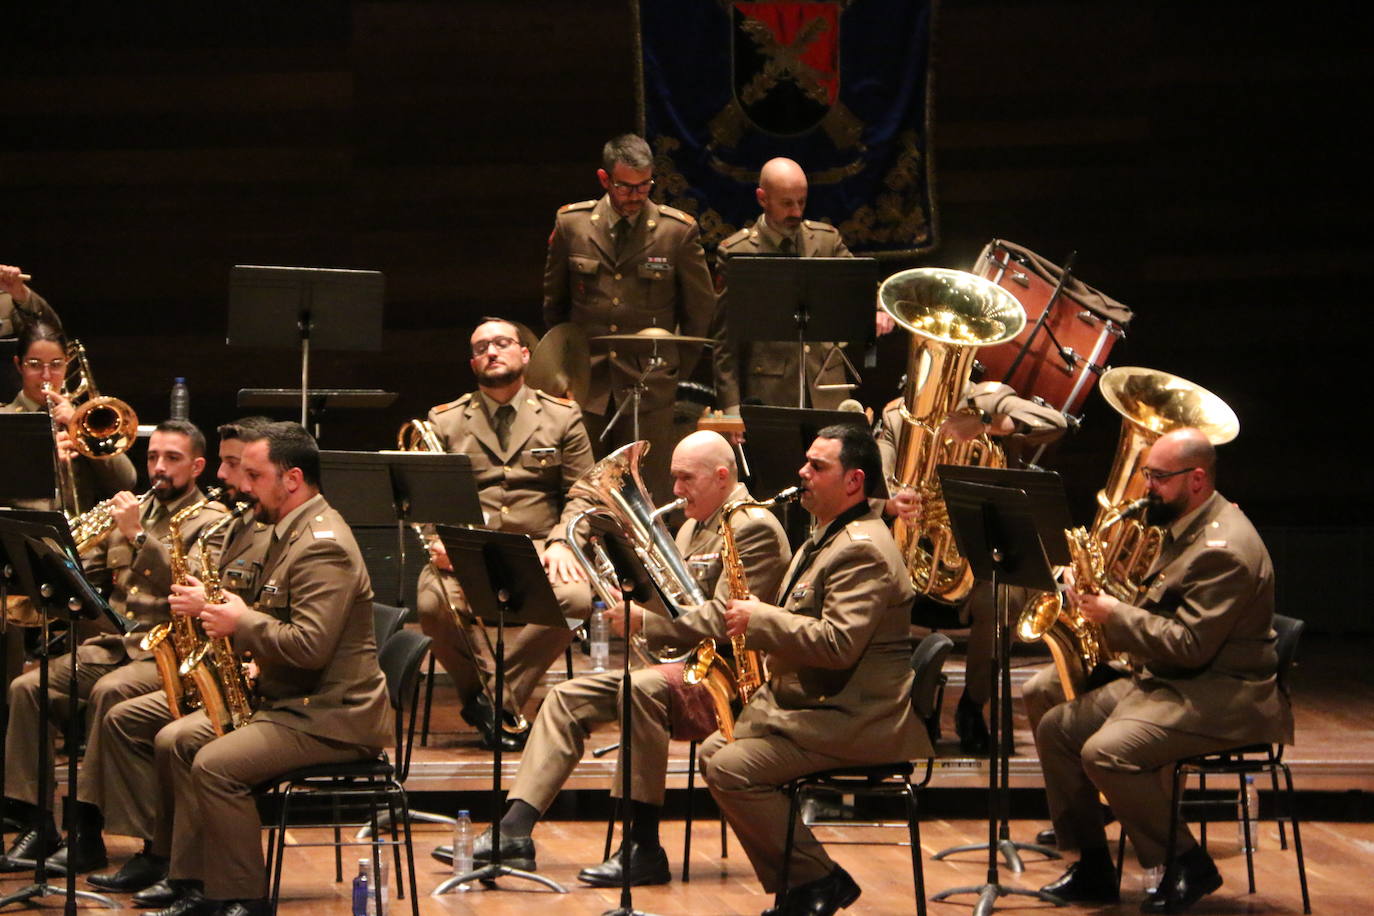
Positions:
(574, 709)
(839, 693)
(128, 791)
(767, 370)
(1203, 644)
(96, 478)
(110, 667)
(523, 489)
(659, 279)
(14, 316)
(322, 699)
(1036, 425)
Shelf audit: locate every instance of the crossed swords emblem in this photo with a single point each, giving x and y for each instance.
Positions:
(784, 62)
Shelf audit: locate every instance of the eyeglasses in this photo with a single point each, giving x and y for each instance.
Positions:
(38, 365)
(644, 187)
(501, 343)
(1153, 476)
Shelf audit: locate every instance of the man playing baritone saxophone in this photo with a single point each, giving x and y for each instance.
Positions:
(1205, 665)
(704, 474)
(111, 667)
(527, 449)
(1017, 425)
(321, 695)
(838, 648)
(128, 781)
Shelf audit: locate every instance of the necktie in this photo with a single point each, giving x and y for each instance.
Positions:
(787, 246)
(803, 561)
(505, 414)
(622, 235)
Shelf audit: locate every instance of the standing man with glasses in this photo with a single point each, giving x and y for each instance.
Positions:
(1204, 678)
(619, 265)
(527, 449)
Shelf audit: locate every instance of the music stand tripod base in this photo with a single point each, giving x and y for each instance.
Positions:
(988, 894)
(488, 874)
(1010, 850)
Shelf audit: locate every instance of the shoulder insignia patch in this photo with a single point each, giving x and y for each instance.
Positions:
(735, 239)
(566, 402)
(322, 533)
(440, 408)
(678, 215)
(819, 226)
(1218, 542)
(856, 532)
(580, 205)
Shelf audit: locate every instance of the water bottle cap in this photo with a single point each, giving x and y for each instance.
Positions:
(463, 813)
(181, 380)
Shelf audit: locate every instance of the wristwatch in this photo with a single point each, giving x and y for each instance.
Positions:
(140, 539)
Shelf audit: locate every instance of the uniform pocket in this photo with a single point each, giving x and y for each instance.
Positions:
(583, 265)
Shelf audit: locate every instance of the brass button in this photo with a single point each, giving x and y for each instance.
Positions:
(617, 276)
(305, 701)
(129, 614)
(133, 590)
(614, 329)
(505, 510)
(615, 301)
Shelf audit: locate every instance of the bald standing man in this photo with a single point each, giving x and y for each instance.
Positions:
(766, 371)
(662, 706)
(1202, 646)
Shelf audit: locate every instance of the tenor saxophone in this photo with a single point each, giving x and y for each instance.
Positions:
(223, 685)
(705, 665)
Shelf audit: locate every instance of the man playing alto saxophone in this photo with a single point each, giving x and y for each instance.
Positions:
(838, 645)
(704, 474)
(111, 667)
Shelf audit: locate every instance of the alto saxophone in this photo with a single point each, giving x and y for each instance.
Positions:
(705, 665)
(172, 641)
(224, 686)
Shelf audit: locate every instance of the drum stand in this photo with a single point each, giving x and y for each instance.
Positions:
(636, 394)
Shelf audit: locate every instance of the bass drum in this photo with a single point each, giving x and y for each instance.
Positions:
(1085, 323)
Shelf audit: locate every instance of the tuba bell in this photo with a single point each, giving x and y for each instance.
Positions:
(1117, 552)
(949, 314)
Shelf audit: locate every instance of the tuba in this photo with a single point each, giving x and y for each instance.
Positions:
(1116, 554)
(704, 665)
(949, 314)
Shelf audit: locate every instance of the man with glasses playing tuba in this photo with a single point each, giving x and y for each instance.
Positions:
(527, 449)
(704, 474)
(135, 554)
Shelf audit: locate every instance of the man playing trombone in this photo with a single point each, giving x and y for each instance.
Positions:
(527, 449)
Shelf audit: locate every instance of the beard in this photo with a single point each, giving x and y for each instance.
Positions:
(166, 490)
(1160, 513)
(499, 378)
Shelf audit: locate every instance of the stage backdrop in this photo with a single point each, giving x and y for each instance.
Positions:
(841, 86)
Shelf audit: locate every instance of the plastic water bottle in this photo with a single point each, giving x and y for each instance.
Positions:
(362, 891)
(1150, 878)
(374, 882)
(1252, 798)
(462, 847)
(600, 637)
(181, 400)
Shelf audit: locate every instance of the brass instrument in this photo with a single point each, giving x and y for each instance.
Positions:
(616, 491)
(949, 314)
(704, 665)
(102, 426)
(1116, 554)
(223, 686)
(421, 436)
(65, 479)
(174, 640)
(95, 524)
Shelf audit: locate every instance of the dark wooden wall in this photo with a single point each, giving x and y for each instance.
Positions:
(1198, 157)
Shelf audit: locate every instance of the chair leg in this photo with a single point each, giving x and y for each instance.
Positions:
(1245, 830)
(1292, 806)
(338, 837)
(918, 875)
(1202, 790)
(395, 838)
(794, 793)
(568, 659)
(1120, 857)
(1274, 785)
(1175, 814)
(410, 850)
(429, 701)
(281, 847)
(610, 829)
(687, 821)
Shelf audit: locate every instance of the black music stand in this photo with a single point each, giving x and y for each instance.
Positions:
(997, 530)
(504, 582)
(40, 549)
(318, 400)
(335, 309)
(814, 298)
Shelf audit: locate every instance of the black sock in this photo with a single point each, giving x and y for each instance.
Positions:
(1096, 858)
(644, 824)
(86, 819)
(519, 819)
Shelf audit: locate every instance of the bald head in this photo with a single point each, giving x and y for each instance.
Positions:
(1188, 448)
(1182, 471)
(782, 194)
(704, 473)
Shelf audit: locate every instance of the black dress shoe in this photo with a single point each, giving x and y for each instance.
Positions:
(245, 908)
(648, 865)
(164, 893)
(517, 852)
(87, 853)
(190, 903)
(1085, 884)
(821, 897)
(1046, 837)
(1193, 876)
(23, 852)
(477, 713)
(972, 730)
(141, 871)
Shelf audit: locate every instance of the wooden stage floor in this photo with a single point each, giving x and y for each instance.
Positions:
(1333, 757)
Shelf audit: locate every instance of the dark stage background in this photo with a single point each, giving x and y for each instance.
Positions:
(1196, 156)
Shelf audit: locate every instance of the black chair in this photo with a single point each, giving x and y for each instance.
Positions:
(885, 779)
(1250, 760)
(366, 785)
(386, 620)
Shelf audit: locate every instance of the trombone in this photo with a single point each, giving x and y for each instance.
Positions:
(101, 427)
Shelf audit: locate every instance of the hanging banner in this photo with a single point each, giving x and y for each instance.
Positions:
(841, 86)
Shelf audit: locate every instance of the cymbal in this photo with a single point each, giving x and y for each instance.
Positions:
(528, 339)
(562, 363)
(654, 335)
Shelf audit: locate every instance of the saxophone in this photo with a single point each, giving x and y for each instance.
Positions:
(706, 666)
(223, 685)
(171, 641)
